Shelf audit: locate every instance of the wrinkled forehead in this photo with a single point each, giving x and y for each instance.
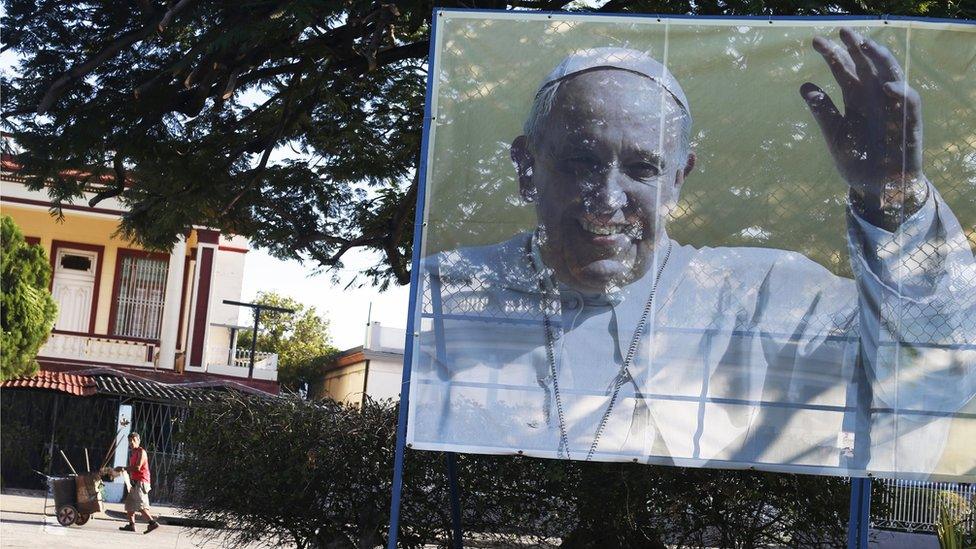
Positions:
(614, 100)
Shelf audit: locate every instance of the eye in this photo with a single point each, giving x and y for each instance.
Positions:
(642, 171)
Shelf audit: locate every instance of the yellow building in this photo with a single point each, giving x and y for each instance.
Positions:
(123, 307)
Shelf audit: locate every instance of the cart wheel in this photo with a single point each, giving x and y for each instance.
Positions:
(67, 515)
(82, 519)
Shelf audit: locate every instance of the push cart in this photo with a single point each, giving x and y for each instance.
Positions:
(77, 497)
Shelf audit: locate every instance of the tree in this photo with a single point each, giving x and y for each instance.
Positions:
(27, 310)
(185, 107)
(301, 339)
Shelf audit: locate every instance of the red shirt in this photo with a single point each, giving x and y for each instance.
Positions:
(138, 471)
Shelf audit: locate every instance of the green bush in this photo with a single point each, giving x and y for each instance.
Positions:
(27, 310)
(319, 474)
(954, 511)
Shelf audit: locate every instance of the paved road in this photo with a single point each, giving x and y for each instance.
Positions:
(23, 524)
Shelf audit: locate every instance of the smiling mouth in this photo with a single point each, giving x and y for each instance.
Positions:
(632, 230)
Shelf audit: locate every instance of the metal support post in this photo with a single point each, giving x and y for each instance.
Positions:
(254, 342)
(412, 328)
(452, 479)
(859, 522)
(256, 308)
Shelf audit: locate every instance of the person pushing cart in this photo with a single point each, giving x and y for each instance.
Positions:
(137, 499)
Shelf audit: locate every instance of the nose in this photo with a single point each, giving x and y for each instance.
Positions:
(604, 194)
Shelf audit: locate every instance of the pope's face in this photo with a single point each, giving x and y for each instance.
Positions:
(603, 166)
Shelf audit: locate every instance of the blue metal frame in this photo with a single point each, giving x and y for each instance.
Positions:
(440, 346)
(663, 16)
(418, 229)
(860, 520)
(860, 487)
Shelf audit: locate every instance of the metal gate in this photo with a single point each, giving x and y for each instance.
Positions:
(37, 425)
(158, 424)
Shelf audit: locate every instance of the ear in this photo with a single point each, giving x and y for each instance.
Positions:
(680, 175)
(679, 180)
(690, 165)
(523, 160)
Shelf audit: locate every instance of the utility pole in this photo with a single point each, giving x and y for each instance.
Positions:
(256, 309)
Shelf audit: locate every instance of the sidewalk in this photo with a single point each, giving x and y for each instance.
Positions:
(23, 524)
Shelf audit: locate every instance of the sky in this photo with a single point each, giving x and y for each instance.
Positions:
(346, 310)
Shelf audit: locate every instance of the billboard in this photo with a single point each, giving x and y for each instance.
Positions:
(701, 242)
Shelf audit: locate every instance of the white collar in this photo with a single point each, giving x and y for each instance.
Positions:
(611, 298)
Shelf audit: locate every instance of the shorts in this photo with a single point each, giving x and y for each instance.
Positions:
(138, 498)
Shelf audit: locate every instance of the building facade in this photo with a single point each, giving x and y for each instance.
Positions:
(373, 370)
(125, 307)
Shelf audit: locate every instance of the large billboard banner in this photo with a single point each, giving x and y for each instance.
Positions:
(700, 242)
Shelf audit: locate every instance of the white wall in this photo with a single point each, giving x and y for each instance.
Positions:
(385, 339)
(17, 189)
(218, 341)
(384, 378)
(227, 283)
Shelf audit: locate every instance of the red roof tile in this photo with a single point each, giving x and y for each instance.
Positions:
(55, 381)
(188, 380)
(12, 169)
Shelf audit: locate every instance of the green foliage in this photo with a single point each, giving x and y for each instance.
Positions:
(954, 511)
(319, 475)
(288, 471)
(27, 310)
(190, 100)
(301, 339)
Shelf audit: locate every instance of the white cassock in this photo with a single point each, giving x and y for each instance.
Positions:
(751, 356)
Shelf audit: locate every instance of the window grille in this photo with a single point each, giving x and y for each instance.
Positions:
(142, 291)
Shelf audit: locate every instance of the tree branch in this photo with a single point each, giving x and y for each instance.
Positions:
(118, 165)
(79, 71)
(169, 15)
(399, 225)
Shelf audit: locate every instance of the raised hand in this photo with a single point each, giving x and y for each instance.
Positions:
(877, 142)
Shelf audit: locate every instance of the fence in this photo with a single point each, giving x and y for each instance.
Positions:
(37, 425)
(914, 505)
(159, 423)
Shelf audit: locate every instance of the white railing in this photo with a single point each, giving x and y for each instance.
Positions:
(99, 349)
(221, 356)
(914, 505)
(220, 361)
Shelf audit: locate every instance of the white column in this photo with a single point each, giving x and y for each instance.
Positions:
(233, 348)
(113, 490)
(169, 333)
